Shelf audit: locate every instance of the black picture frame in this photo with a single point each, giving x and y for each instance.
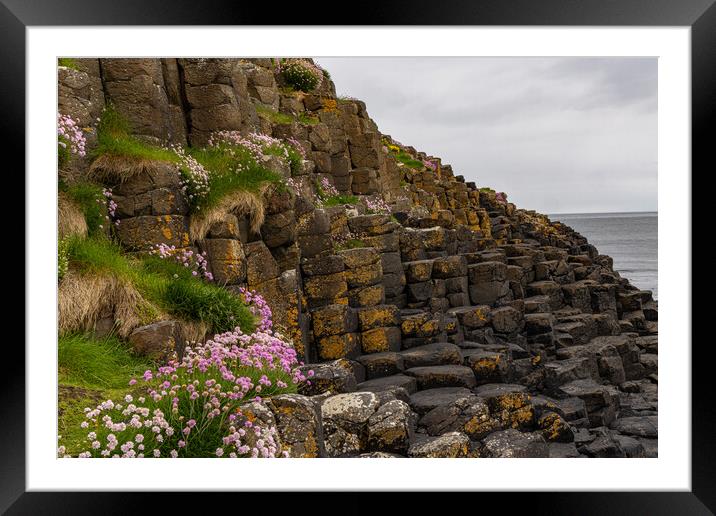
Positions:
(700, 15)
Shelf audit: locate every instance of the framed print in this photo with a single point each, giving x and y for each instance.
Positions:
(442, 238)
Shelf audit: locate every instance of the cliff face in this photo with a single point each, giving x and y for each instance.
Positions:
(468, 326)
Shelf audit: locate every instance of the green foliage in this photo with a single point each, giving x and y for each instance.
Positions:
(307, 119)
(90, 370)
(223, 311)
(67, 62)
(340, 200)
(407, 160)
(164, 283)
(86, 361)
(91, 201)
(114, 138)
(272, 116)
(284, 118)
(231, 170)
(63, 151)
(299, 75)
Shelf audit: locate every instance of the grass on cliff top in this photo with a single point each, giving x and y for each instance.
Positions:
(407, 160)
(165, 284)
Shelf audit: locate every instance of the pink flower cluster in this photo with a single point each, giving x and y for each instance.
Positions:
(501, 197)
(70, 135)
(235, 138)
(194, 177)
(327, 188)
(259, 307)
(197, 262)
(296, 145)
(291, 182)
(376, 205)
(194, 407)
(111, 206)
(430, 164)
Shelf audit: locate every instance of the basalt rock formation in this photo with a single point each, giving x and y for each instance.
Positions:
(454, 324)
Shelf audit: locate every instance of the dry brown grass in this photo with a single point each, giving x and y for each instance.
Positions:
(112, 169)
(70, 219)
(239, 203)
(85, 298)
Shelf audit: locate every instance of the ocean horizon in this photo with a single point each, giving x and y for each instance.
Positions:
(630, 238)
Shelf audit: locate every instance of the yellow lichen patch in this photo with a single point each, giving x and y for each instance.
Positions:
(336, 346)
(375, 341)
(329, 104)
(429, 327)
(372, 317)
(370, 296)
(310, 446)
(167, 232)
(536, 359)
(480, 425)
(364, 276)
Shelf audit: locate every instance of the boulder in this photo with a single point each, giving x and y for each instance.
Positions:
(391, 427)
(450, 445)
(515, 444)
(158, 340)
(345, 418)
(299, 425)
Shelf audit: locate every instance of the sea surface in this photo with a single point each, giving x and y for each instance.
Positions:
(629, 238)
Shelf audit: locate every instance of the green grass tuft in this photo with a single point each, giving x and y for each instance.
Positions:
(114, 138)
(230, 172)
(107, 363)
(166, 284)
(272, 116)
(307, 119)
(91, 370)
(407, 160)
(340, 200)
(284, 118)
(86, 195)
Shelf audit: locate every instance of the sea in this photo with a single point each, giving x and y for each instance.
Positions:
(629, 238)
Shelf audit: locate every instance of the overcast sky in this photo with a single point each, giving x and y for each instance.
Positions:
(559, 135)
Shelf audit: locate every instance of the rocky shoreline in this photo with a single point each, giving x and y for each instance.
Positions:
(439, 320)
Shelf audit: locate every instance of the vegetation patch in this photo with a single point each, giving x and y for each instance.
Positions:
(91, 200)
(276, 117)
(273, 116)
(67, 62)
(138, 290)
(114, 140)
(301, 74)
(340, 200)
